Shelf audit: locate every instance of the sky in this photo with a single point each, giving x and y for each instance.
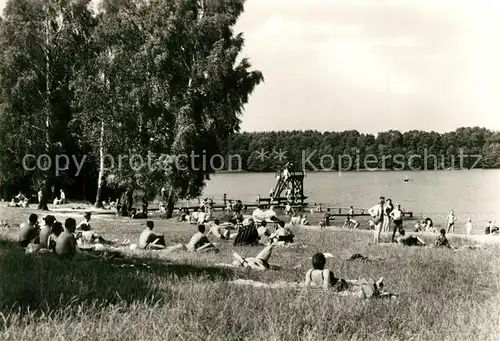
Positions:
(372, 65)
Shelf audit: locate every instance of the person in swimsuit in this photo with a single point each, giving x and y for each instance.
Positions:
(260, 262)
(218, 231)
(326, 219)
(409, 240)
(397, 215)
(322, 277)
(377, 213)
(450, 222)
(388, 208)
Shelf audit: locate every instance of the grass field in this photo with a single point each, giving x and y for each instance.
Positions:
(444, 294)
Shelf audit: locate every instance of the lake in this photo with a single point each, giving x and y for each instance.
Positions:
(474, 193)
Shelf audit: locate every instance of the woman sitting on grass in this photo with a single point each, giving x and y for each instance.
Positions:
(320, 277)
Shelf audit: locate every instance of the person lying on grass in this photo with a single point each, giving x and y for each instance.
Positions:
(150, 240)
(409, 240)
(320, 277)
(260, 262)
(29, 232)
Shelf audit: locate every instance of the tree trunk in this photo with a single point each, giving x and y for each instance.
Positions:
(45, 196)
(169, 207)
(100, 180)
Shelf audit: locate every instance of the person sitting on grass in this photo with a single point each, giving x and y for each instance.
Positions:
(349, 222)
(55, 230)
(150, 240)
(409, 240)
(12, 203)
(46, 230)
(441, 240)
(85, 234)
(193, 218)
(295, 220)
(84, 227)
(218, 231)
(199, 242)
(66, 246)
(326, 219)
(260, 262)
(304, 221)
(491, 228)
(282, 234)
(323, 278)
(29, 232)
(247, 234)
(420, 225)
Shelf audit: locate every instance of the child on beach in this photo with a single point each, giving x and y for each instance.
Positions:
(441, 240)
(468, 226)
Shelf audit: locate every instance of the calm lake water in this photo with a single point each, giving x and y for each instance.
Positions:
(474, 193)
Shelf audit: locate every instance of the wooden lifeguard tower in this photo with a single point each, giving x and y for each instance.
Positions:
(289, 187)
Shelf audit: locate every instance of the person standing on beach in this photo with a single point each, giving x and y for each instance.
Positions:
(388, 208)
(468, 226)
(377, 213)
(450, 222)
(397, 215)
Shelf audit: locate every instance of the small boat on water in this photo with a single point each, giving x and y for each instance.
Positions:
(406, 179)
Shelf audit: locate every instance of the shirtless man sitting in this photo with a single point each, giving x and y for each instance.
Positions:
(199, 242)
(219, 231)
(29, 232)
(66, 246)
(150, 240)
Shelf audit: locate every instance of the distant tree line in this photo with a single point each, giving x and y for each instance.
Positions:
(413, 150)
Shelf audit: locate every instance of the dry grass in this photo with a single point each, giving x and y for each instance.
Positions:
(444, 294)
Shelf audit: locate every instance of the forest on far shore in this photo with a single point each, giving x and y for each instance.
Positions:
(412, 150)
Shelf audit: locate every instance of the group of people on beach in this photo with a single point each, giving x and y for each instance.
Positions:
(68, 239)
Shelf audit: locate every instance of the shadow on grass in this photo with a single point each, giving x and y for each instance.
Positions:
(43, 282)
